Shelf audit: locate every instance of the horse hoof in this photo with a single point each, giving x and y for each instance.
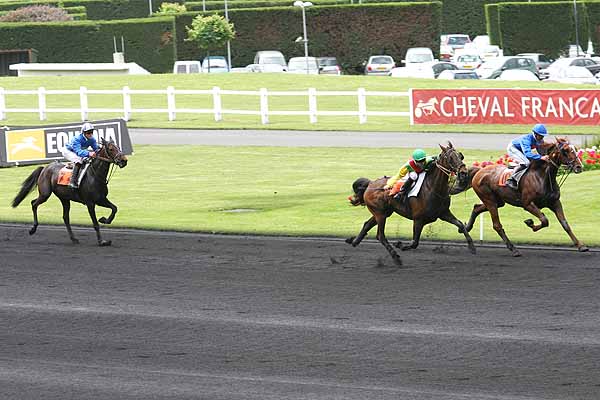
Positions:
(32, 231)
(407, 247)
(102, 220)
(472, 249)
(398, 261)
(398, 244)
(529, 223)
(583, 248)
(350, 240)
(516, 253)
(103, 243)
(74, 241)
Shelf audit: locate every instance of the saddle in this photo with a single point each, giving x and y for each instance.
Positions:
(508, 172)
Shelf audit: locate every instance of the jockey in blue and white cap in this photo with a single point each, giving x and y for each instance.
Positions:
(520, 150)
(77, 149)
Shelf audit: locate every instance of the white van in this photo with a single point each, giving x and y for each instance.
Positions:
(418, 55)
(270, 57)
(187, 67)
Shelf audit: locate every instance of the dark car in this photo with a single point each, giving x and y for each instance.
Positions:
(329, 66)
(541, 61)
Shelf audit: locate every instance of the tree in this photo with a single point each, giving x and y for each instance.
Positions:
(210, 32)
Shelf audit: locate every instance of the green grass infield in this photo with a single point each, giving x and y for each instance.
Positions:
(253, 82)
(285, 191)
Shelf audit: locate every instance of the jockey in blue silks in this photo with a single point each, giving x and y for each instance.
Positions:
(77, 149)
(520, 150)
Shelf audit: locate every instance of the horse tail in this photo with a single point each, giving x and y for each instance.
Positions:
(466, 185)
(359, 186)
(27, 186)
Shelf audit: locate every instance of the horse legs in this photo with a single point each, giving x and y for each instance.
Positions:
(500, 230)
(417, 229)
(383, 240)
(532, 208)
(560, 215)
(35, 203)
(107, 204)
(449, 217)
(477, 209)
(67, 220)
(92, 211)
(370, 223)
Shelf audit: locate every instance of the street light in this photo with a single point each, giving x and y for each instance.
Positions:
(576, 27)
(228, 43)
(303, 5)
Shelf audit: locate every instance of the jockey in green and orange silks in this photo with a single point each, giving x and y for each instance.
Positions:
(413, 167)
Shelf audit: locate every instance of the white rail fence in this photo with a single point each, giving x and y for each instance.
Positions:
(217, 110)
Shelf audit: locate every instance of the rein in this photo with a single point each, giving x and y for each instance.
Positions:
(111, 161)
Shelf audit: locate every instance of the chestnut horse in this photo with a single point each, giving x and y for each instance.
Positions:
(537, 189)
(432, 202)
(92, 190)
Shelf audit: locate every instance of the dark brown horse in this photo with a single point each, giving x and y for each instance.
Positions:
(432, 202)
(92, 190)
(538, 188)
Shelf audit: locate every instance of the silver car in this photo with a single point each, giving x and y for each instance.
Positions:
(379, 65)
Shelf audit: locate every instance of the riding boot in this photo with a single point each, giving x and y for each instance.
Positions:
(75, 176)
(512, 181)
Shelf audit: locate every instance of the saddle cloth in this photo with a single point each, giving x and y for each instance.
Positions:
(417, 186)
(504, 176)
(64, 175)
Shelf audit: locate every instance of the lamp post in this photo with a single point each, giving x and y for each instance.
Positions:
(303, 5)
(576, 27)
(228, 43)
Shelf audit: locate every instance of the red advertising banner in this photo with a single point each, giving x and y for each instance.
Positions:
(505, 106)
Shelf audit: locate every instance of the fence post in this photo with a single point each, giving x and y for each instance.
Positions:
(126, 103)
(362, 105)
(42, 103)
(481, 228)
(312, 105)
(2, 104)
(264, 106)
(171, 102)
(83, 103)
(217, 103)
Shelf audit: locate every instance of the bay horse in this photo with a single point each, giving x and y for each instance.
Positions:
(432, 202)
(92, 191)
(538, 188)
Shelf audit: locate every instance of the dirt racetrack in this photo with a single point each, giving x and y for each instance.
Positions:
(190, 316)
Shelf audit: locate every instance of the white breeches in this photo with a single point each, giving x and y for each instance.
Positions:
(73, 157)
(517, 155)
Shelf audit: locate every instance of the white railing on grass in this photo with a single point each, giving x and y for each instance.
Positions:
(263, 94)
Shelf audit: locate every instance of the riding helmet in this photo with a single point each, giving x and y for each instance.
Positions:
(540, 129)
(86, 127)
(419, 155)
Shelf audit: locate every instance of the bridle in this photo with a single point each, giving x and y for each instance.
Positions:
(560, 151)
(449, 171)
(110, 159)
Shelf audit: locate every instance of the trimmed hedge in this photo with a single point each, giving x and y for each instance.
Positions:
(515, 27)
(351, 33)
(95, 9)
(149, 42)
(593, 15)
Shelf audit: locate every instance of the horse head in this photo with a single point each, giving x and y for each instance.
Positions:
(110, 152)
(450, 161)
(564, 153)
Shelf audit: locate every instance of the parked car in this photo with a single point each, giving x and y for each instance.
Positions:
(416, 55)
(270, 57)
(379, 65)
(329, 66)
(429, 70)
(303, 65)
(563, 63)
(493, 68)
(187, 67)
(541, 61)
(518, 75)
(449, 43)
(457, 74)
(214, 64)
(468, 61)
(490, 52)
(575, 75)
